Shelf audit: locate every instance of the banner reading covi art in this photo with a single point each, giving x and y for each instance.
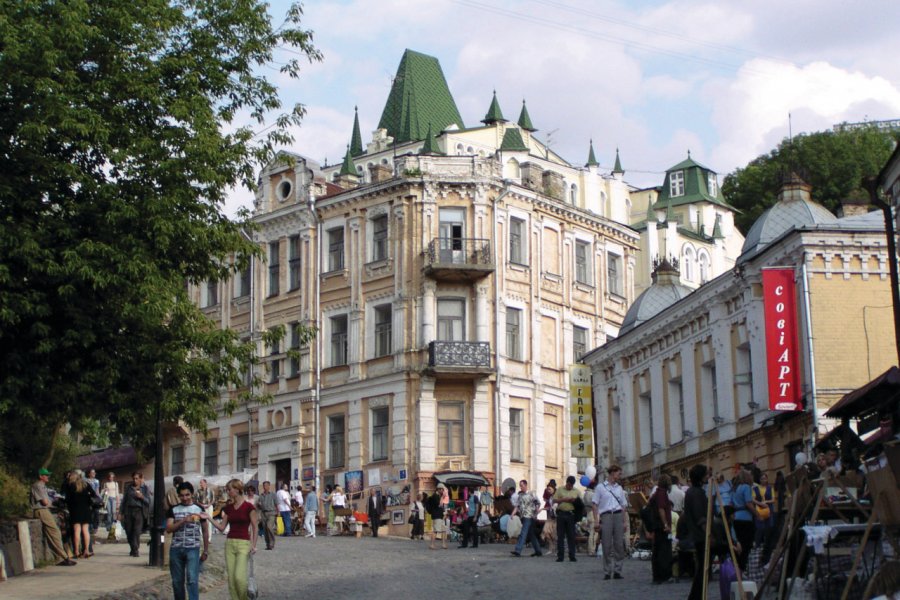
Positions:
(782, 346)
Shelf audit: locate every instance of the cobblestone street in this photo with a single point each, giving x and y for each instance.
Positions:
(344, 567)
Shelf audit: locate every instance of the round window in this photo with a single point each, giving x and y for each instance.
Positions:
(284, 189)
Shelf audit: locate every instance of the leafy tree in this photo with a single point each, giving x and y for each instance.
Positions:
(119, 144)
(834, 163)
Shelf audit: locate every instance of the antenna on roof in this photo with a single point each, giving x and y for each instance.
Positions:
(549, 142)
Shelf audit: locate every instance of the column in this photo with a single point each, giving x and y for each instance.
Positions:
(355, 435)
(482, 333)
(481, 427)
(427, 425)
(428, 309)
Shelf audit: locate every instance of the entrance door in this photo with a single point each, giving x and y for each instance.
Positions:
(282, 472)
(452, 231)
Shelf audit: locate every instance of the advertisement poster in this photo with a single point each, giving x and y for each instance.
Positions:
(580, 409)
(782, 345)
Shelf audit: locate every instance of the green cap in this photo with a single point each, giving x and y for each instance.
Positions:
(43, 472)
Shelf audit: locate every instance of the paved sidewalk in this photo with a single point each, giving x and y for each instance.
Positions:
(109, 570)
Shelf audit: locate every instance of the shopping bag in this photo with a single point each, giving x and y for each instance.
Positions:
(121, 536)
(252, 589)
(279, 525)
(727, 575)
(514, 527)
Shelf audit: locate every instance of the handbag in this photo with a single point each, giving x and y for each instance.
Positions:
(96, 500)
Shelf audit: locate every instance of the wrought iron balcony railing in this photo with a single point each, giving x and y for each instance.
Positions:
(459, 354)
(459, 253)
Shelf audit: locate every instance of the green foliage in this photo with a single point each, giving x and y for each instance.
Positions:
(119, 146)
(14, 494)
(834, 163)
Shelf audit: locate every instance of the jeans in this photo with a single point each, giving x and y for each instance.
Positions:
(185, 562)
(529, 535)
(112, 505)
(237, 556)
(286, 519)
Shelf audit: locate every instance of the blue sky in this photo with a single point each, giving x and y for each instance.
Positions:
(652, 78)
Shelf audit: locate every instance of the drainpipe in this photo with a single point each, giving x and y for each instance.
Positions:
(811, 356)
(252, 327)
(497, 475)
(311, 205)
(871, 185)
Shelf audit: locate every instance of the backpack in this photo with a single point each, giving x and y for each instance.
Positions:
(650, 516)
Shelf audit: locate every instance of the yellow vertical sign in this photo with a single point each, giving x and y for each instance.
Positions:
(581, 408)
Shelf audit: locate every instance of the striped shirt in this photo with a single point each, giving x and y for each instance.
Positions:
(191, 535)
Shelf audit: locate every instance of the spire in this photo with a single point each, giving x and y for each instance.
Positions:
(494, 114)
(717, 228)
(592, 160)
(356, 147)
(617, 168)
(347, 167)
(525, 119)
(430, 146)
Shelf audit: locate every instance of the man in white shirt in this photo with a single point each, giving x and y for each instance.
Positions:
(298, 497)
(283, 499)
(610, 514)
(676, 496)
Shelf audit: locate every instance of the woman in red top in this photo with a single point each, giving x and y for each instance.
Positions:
(241, 540)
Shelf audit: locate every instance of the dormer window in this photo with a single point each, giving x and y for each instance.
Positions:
(676, 184)
(712, 184)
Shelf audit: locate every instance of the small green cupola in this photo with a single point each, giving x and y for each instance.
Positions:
(592, 159)
(356, 147)
(525, 119)
(617, 168)
(347, 167)
(494, 114)
(430, 147)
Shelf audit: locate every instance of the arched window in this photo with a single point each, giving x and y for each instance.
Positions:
(573, 194)
(704, 266)
(459, 149)
(687, 264)
(512, 169)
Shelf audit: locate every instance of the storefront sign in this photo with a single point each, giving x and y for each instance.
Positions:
(580, 407)
(782, 347)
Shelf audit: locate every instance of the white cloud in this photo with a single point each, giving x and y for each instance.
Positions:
(752, 109)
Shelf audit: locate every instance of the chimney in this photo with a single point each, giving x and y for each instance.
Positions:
(380, 172)
(856, 203)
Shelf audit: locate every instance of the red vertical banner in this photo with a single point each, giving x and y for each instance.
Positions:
(782, 345)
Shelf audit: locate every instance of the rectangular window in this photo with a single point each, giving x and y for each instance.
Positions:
(614, 274)
(275, 363)
(243, 283)
(579, 342)
(383, 325)
(336, 441)
(335, 249)
(516, 431)
(379, 238)
(338, 340)
(274, 269)
(676, 396)
(712, 185)
(676, 184)
(177, 460)
(294, 261)
(242, 451)
(212, 293)
(451, 428)
(451, 319)
(513, 333)
(645, 412)
(582, 262)
(379, 433)
(517, 250)
(211, 457)
(294, 361)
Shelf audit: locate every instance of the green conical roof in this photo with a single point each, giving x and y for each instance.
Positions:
(430, 146)
(356, 147)
(419, 97)
(494, 114)
(525, 119)
(592, 160)
(512, 140)
(617, 168)
(347, 167)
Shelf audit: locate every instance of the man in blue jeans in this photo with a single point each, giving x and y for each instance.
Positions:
(527, 506)
(187, 522)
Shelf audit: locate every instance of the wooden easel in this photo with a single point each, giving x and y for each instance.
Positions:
(714, 496)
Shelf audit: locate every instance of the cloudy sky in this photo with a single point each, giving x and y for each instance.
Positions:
(652, 78)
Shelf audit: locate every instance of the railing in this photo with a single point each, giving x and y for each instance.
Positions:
(459, 251)
(459, 354)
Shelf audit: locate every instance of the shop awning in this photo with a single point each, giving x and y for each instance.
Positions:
(461, 478)
(881, 393)
(110, 458)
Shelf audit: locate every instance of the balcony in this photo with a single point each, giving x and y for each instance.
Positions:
(459, 360)
(458, 259)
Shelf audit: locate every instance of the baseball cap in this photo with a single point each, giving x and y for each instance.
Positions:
(44, 472)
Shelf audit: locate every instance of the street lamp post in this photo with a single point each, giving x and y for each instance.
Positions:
(871, 185)
(156, 526)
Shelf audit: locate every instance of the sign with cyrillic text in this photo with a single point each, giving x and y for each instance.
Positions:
(782, 346)
(580, 408)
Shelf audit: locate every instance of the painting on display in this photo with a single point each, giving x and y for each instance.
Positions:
(353, 482)
(398, 517)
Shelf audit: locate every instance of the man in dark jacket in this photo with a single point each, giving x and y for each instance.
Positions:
(135, 510)
(375, 506)
(695, 509)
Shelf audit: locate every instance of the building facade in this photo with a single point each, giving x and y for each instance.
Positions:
(686, 380)
(452, 275)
